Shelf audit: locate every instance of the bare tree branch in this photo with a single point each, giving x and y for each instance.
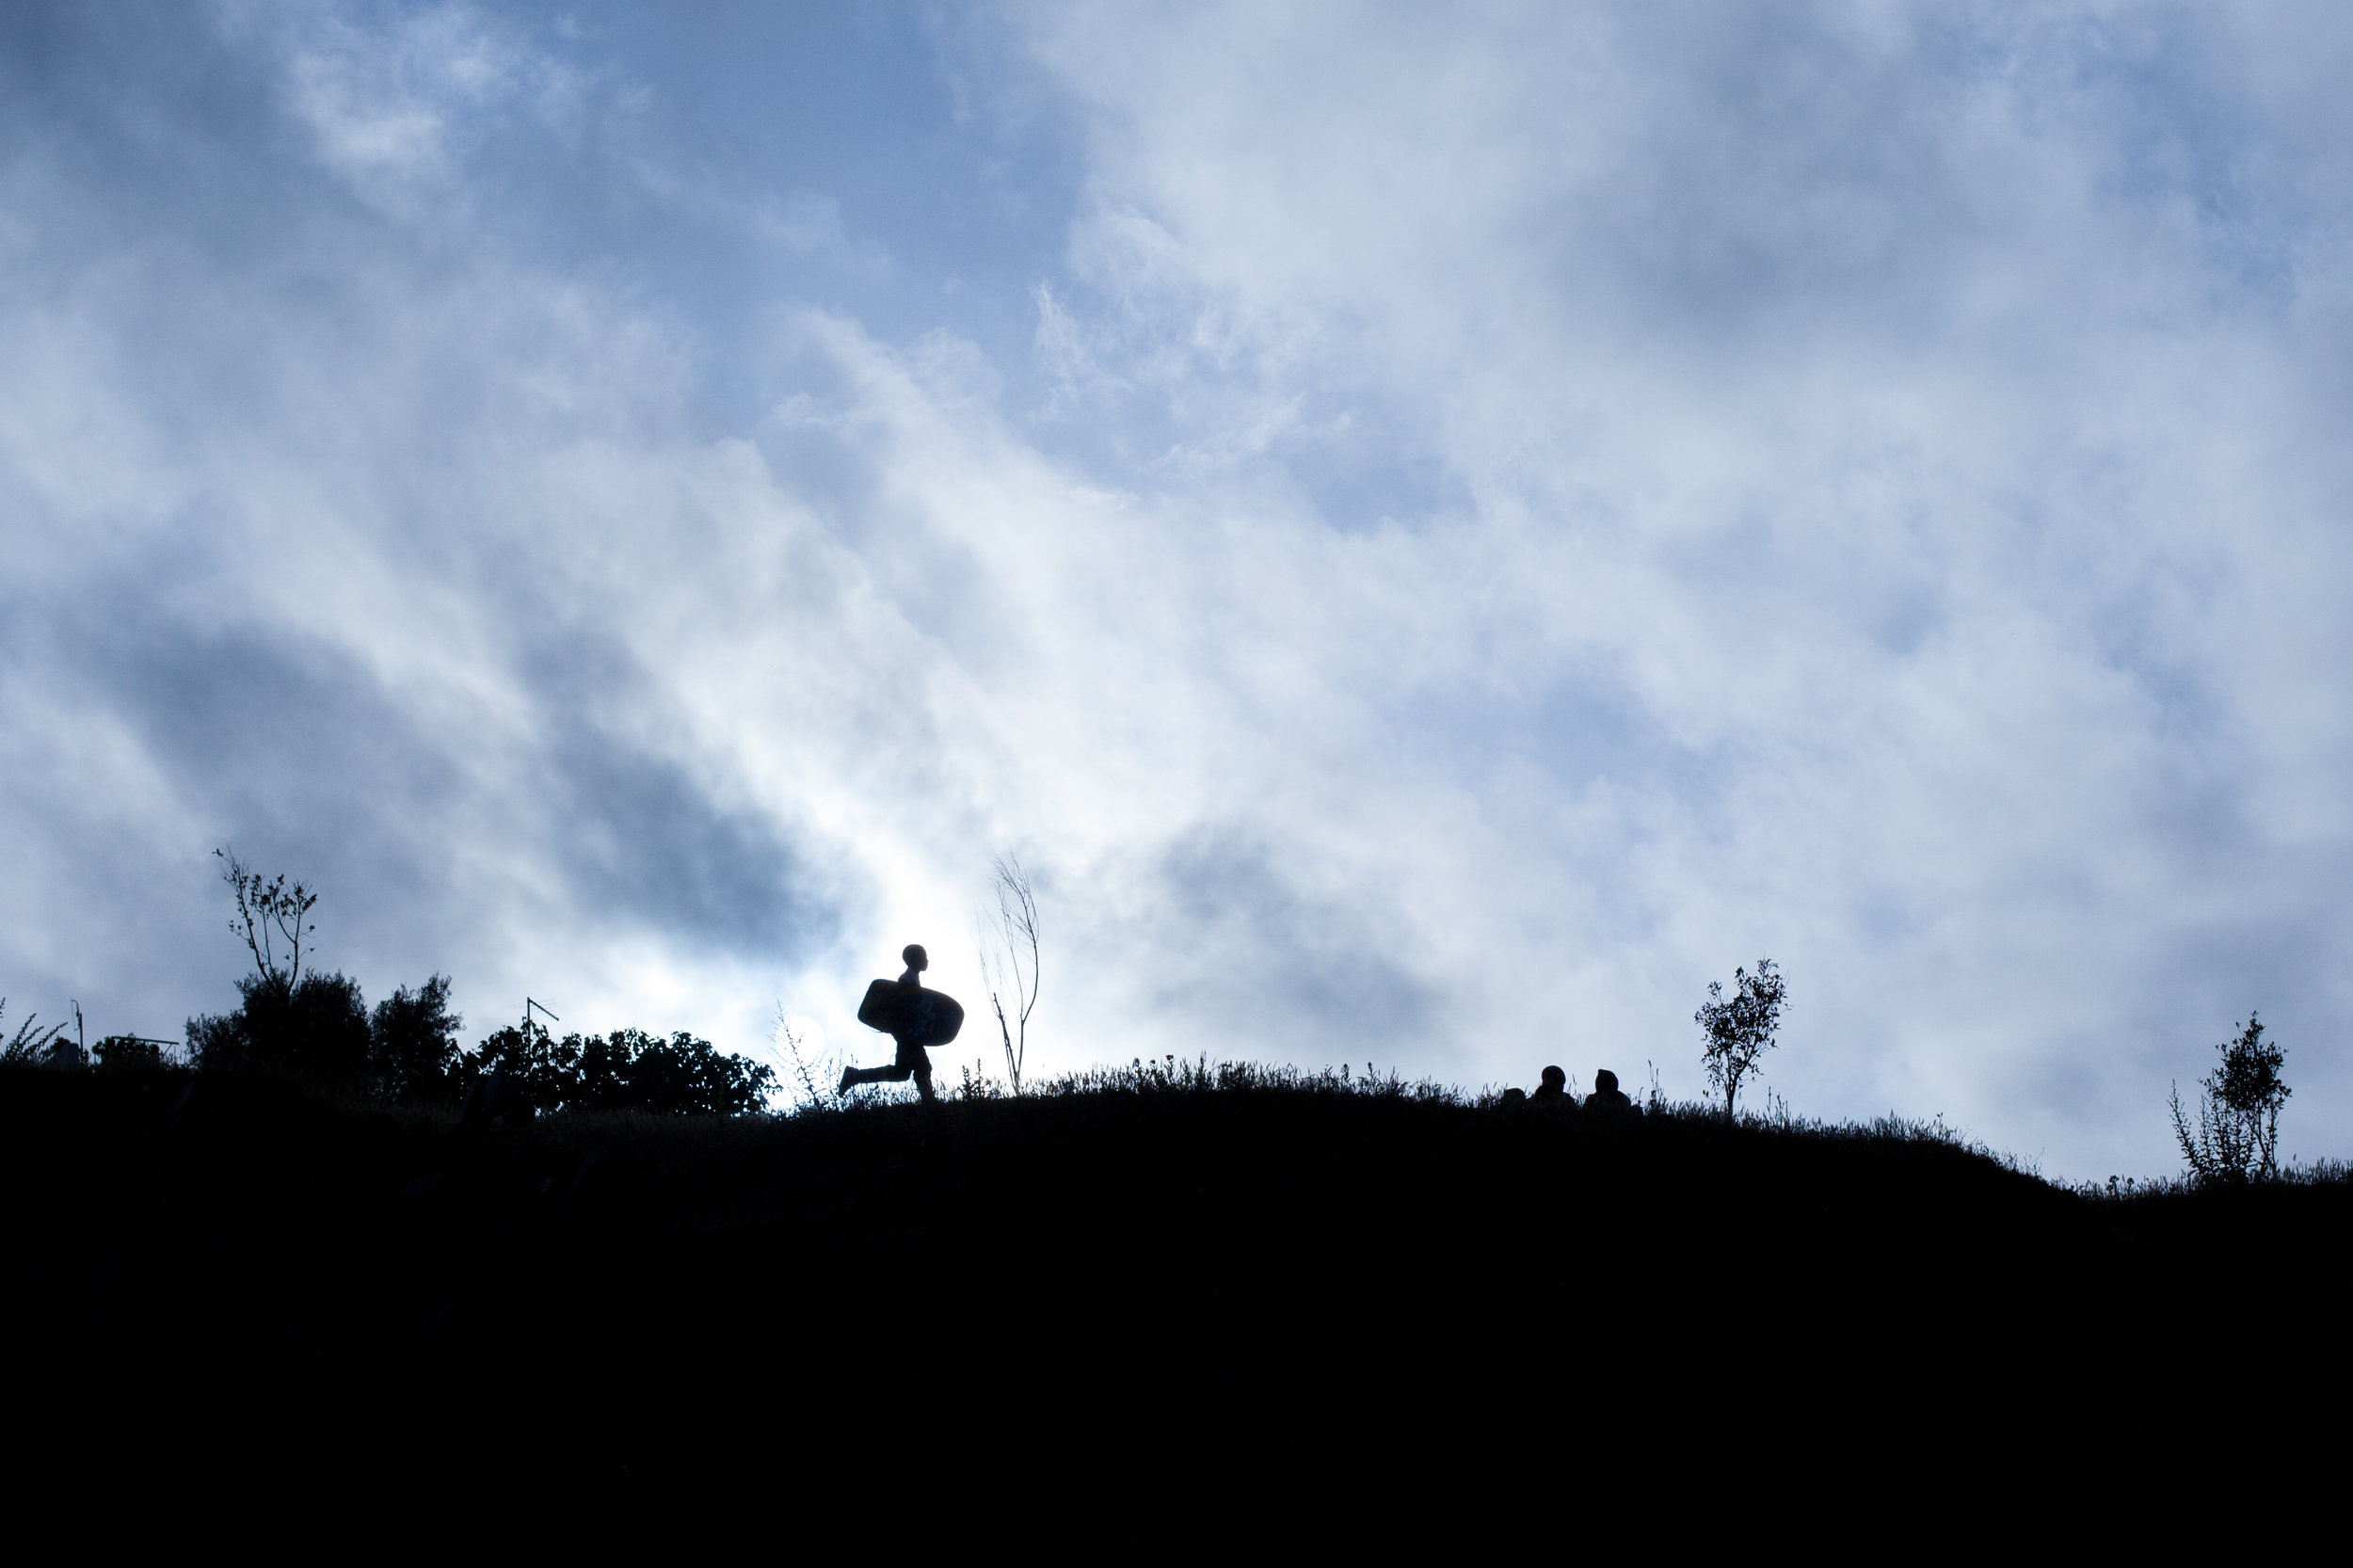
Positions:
(267, 913)
(1008, 940)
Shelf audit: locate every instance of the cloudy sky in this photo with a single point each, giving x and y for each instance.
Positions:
(1435, 532)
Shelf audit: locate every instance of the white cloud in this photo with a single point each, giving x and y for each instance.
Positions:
(1873, 412)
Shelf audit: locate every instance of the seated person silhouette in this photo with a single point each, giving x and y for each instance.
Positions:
(1607, 1097)
(914, 1061)
(1554, 1087)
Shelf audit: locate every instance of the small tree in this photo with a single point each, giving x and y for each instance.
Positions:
(1741, 1032)
(295, 1023)
(1008, 942)
(269, 916)
(2238, 1112)
(412, 1044)
(683, 1076)
(539, 1069)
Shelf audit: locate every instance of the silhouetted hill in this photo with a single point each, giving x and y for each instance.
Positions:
(1272, 1274)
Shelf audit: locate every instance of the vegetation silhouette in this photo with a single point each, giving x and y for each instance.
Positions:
(1741, 1031)
(1278, 1267)
(413, 1041)
(2238, 1136)
(314, 1030)
(31, 1044)
(300, 1230)
(1008, 944)
(271, 916)
(133, 1053)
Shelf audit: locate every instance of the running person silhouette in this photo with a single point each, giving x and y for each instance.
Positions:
(914, 1061)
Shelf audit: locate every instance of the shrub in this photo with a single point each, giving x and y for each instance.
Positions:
(119, 1053)
(314, 1031)
(2238, 1112)
(29, 1044)
(289, 1022)
(628, 1070)
(543, 1072)
(682, 1076)
(412, 1044)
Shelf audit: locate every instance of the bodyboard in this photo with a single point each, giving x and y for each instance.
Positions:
(911, 1014)
(880, 1010)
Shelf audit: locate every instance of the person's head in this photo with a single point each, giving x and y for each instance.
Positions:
(1605, 1082)
(1556, 1079)
(916, 959)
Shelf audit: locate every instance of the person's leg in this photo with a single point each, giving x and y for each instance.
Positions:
(916, 1063)
(852, 1076)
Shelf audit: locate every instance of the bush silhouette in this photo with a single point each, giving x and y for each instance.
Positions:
(633, 1070)
(30, 1043)
(291, 1022)
(128, 1053)
(412, 1044)
(2237, 1138)
(628, 1070)
(314, 1031)
(543, 1072)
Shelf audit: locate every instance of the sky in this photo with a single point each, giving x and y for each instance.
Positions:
(1433, 532)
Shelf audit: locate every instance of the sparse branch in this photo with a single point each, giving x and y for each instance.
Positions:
(815, 1076)
(269, 913)
(1008, 941)
(30, 1043)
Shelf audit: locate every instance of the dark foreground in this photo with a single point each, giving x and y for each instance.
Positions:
(1273, 1279)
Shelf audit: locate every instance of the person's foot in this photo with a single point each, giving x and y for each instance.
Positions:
(849, 1081)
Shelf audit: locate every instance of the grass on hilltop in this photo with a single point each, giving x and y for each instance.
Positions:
(1223, 1253)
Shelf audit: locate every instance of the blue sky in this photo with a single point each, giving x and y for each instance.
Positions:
(1436, 532)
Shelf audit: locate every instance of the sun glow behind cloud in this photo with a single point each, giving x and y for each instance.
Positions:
(1435, 535)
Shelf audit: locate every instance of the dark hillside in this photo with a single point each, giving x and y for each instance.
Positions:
(1274, 1274)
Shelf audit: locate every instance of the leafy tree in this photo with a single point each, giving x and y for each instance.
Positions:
(290, 1021)
(122, 1053)
(2238, 1112)
(543, 1071)
(412, 1044)
(632, 1070)
(1741, 1032)
(628, 1070)
(315, 1030)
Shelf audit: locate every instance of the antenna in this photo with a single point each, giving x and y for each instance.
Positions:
(528, 1006)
